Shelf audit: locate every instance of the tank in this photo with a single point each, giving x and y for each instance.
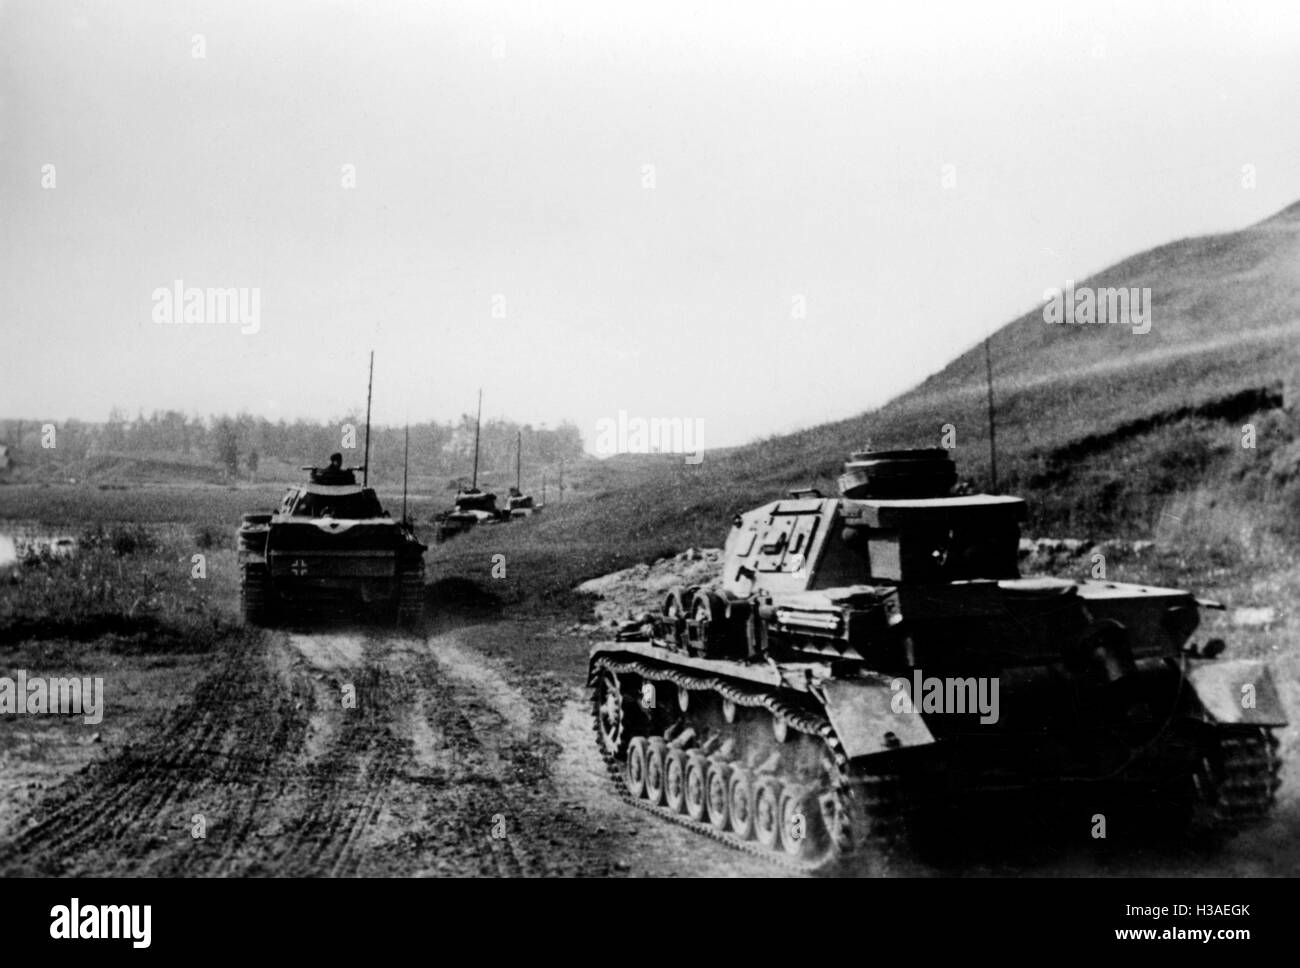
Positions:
(471, 508)
(862, 657)
(520, 505)
(329, 541)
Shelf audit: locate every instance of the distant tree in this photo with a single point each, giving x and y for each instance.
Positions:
(568, 440)
(251, 463)
(225, 436)
(115, 429)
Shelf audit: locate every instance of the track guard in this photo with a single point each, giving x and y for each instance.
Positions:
(863, 718)
(1221, 688)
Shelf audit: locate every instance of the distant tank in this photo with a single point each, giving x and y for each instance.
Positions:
(330, 539)
(518, 504)
(472, 508)
(861, 656)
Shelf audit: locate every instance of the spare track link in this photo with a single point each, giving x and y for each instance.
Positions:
(876, 791)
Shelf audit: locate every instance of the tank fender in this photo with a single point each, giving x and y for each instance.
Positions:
(1237, 691)
(862, 714)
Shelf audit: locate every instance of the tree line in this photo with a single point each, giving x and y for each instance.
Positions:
(244, 446)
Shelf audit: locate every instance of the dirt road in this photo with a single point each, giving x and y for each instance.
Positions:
(356, 752)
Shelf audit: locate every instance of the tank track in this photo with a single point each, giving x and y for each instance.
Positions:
(1236, 785)
(256, 602)
(410, 598)
(869, 805)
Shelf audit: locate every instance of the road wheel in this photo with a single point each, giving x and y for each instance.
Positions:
(697, 778)
(718, 798)
(634, 774)
(767, 812)
(675, 780)
(802, 834)
(654, 770)
(741, 796)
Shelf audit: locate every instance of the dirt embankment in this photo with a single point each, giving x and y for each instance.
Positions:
(629, 593)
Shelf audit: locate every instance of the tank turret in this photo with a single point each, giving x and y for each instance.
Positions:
(898, 473)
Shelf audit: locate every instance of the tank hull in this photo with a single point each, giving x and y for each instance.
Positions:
(299, 567)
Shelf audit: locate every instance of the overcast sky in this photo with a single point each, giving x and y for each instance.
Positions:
(650, 192)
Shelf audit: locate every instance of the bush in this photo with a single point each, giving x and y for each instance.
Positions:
(207, 537)
(121, 539)
(121, 581)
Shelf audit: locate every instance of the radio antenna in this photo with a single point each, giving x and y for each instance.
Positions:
(993, 445)
(406, 458)
(478, 422)
(370, 385)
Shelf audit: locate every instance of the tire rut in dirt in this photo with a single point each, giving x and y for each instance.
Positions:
(134, 812)
(488, 807)
(349, 784)
(290, 782)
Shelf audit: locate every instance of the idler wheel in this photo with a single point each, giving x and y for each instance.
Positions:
(767, 812)
(675, 780)
(741, 796)
(697, 778)
(607, 702)
(718, 797)
(634, 774)
(654, 770)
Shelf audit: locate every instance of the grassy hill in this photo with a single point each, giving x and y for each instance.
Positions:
(1109, 433)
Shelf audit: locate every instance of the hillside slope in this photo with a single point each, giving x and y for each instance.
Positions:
(1107, 431)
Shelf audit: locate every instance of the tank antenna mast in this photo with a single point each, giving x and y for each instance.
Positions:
(478, 421)
(370, 385)
(519, 456)
(993, 446)
(406, 457)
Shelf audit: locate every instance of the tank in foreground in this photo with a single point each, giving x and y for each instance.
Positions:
(861, 656)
